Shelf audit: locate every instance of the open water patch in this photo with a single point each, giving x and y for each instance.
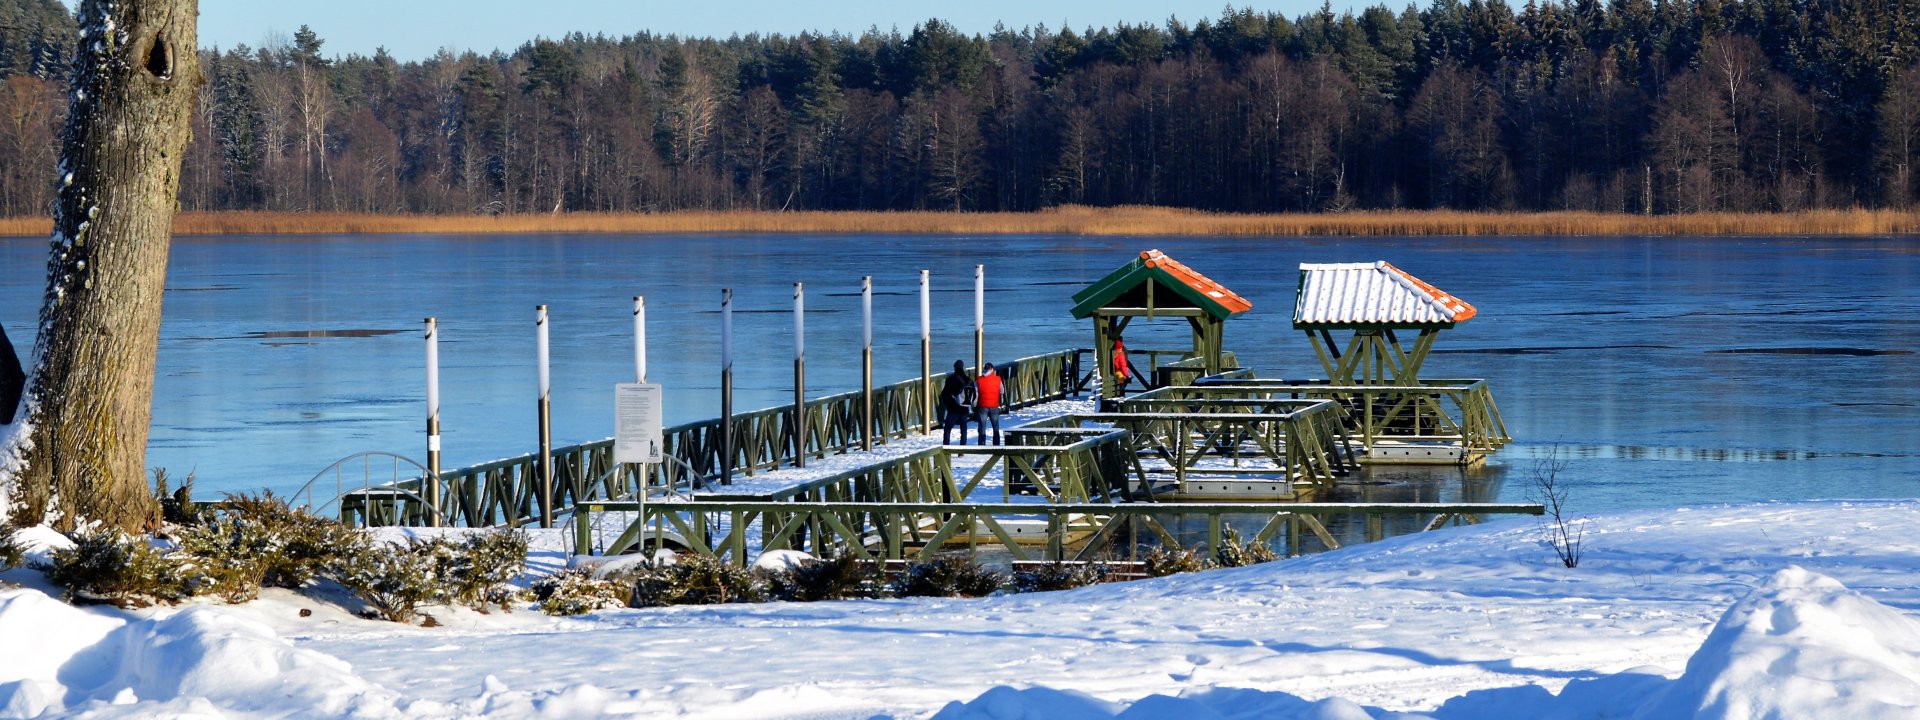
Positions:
(1695, 454)
(1544, 349)
(1842, 351)
(297, 335)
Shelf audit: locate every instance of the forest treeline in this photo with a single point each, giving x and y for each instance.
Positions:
(1621, 105)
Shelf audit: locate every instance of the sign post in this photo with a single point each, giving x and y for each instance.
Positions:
(638, 434)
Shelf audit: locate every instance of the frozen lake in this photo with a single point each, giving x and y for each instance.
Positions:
(1669, 371)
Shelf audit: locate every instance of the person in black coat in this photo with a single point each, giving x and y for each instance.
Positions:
(958, 397)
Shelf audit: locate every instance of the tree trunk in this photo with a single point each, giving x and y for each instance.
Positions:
(90, 399)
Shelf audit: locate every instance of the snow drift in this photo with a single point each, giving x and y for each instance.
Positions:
(1799, 646)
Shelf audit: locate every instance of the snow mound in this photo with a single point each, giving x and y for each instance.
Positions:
(1801, 645)
(200, 661)
(1041, 703)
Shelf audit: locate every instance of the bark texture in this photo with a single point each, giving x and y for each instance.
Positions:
(90, 399)
(13, 381)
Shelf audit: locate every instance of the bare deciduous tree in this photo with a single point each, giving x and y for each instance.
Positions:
(1564, 532)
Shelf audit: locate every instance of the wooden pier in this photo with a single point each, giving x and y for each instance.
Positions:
(1208, 440)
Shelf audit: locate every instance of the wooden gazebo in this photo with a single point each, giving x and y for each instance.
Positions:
(1154, 285)
(1373, 301)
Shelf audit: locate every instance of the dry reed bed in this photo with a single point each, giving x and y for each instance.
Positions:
(1072, 220)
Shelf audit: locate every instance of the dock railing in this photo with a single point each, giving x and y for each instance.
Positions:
(507, 491)
(1435, 410)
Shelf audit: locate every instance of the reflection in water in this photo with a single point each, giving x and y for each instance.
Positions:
(1479, 483)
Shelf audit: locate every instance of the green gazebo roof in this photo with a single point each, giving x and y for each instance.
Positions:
(1128, 287)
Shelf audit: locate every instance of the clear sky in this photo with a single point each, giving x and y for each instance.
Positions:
(414, 29)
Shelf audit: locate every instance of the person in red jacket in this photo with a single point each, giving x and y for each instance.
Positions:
(1122, 369)
(990, 403)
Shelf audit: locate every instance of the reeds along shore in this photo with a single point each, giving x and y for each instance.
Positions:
(1072, 220)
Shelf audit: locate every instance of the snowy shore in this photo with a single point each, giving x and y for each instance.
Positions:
(1782, 610)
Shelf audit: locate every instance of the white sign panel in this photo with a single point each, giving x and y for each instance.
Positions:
(637, 423)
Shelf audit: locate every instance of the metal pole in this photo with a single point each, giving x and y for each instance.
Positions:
(926, 354)
(799, 375)
(546, 426)
(433, 422)
(979, 318)
(640, 338)
(866, 363)
(726, 386)
(640, 373)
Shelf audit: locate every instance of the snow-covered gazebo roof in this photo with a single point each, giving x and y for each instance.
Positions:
(1373, 295)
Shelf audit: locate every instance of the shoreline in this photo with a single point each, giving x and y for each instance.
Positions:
(1067, 220)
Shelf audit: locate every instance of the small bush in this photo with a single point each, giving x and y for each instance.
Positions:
(1057, 576)
(577, 592)
(842, 578)
(1162, 562)
(947, 577)
(248, 541)
(1235, 553)
(693, 581)
(176, 508)
(12, 553)
(229, 556)
(108, 567)
(476, 571)
(395, 580)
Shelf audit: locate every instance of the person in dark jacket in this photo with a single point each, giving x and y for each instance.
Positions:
(989, 412)
(957, 400)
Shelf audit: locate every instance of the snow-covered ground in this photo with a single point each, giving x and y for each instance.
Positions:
(1788, 610)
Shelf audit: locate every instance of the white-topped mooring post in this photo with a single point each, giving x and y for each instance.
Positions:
(726, 386)
(926, 354)
(979, 318)
(640, 338)
(866, 363)
(433, 422)
(546, 425)
(799, 423)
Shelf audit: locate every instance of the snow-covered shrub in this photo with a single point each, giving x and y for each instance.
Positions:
(12, 553)
(108, 567)
(576, 591)
(842, 578)
(947, 577)
(1162, 562)
(249, 541)
(1235, 553)
(693, 581)
(229, 556)
(476, 571)
(394, 580)
(1057, 576)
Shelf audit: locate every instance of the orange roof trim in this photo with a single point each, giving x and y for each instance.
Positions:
(1200, 283)
(1462, 311)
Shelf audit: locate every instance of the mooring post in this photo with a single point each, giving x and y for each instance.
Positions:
(979, 319)
(640, 338)
(926, 354)
(866, 363)
(433, 422)
(546, 428)
(799, 375)
(726, 386)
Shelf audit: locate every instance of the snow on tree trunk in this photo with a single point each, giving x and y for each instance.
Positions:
(90, 396)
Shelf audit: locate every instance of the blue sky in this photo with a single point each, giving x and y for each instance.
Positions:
(414, 29)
